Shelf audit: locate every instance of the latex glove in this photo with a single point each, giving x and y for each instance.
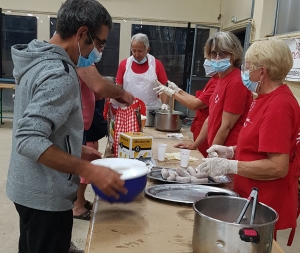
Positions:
(165, 107)
(220, 151)
(164, 89)
(217, 166)
(173, 86)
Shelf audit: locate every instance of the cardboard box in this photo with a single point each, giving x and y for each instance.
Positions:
(135, 145)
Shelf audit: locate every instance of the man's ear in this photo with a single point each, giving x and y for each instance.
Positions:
(82, 33)
(148, 50)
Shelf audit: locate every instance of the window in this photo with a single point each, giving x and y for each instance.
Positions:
(288, 18)
(15, 30)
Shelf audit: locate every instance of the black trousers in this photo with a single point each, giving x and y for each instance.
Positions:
(44, 231)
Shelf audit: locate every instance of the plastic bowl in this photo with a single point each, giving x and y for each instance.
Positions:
(134, 173)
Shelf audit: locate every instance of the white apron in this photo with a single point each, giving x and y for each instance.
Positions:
(141, 85)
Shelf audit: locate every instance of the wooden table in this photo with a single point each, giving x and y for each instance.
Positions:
(2, 87)
(145, 225)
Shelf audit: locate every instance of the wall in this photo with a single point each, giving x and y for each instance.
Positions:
(167, 12)
(239, 8)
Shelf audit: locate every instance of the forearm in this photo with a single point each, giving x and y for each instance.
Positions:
(61, 161)
(189, 101)
(164, 98)
(266, 169)
(221, 136)
(100, 85)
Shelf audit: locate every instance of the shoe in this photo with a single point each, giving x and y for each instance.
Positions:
(74, 249)
(88, 205)
(85, 216)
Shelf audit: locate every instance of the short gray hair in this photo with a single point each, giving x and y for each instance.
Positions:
(274, 54)
(228, 42)
(141, 37)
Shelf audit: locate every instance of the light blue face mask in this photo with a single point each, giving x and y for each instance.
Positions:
(140, 62)
(252, 86)
(94, 57)
(209, 71)
(220, 65)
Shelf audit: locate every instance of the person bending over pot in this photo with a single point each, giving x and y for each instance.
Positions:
(266, 153)
(137, 73)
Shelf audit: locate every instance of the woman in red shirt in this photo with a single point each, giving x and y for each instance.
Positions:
(230, 101)
(266, 152)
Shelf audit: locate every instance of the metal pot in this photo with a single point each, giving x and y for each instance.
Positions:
(150, 114)
(169, 121)
(215, 229)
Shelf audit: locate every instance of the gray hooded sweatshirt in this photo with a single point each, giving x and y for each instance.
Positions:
(47, 112)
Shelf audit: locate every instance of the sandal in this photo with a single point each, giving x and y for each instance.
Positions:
(88, 205)
(85, 216)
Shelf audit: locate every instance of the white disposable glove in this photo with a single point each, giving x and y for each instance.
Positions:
(218, 166)
(173, 86)
(165, 107)
(220, 151)
(164, 89)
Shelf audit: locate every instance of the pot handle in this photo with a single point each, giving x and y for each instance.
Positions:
(153, 112)
(182, 117)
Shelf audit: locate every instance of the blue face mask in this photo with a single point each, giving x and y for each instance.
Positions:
(209, 71)
(140, 62)
(94, 57)
(220, 65)
(252, 86)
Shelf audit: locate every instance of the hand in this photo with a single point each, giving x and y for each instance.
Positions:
(220, 151)
(185, 145)
(127, 99)
(90, 154)
(217, 166)
(164, 89)
(165, 107)
(173, 86)
(108, 181)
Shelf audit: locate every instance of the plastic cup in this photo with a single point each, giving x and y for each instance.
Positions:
(184, 157)
(161, 151)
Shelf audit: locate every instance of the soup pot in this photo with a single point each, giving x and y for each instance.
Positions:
(216, 230)
(168, 121)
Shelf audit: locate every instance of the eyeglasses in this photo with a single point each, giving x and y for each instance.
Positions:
(100, 42)
(214, 54)
(251, 68)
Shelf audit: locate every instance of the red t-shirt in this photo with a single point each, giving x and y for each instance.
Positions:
(272, 126)
(202, 114)
(230, 95)
(140, 69)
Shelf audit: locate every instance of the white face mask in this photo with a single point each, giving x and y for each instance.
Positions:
(140, 62)
(209, 71)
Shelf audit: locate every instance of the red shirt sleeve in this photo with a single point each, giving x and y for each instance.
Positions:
(121, 72)
(160, 72)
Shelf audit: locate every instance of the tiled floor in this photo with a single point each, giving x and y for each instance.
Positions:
(9, 220)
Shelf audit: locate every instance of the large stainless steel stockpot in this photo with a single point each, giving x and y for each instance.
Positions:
(169, 121)
(215, 229)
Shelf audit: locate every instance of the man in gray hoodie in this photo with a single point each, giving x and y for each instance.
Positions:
(47, 155)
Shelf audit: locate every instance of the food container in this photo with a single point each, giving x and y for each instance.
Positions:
(135, 145)
(168, 121)
(134, 173)
(215, 229)
(150, 114)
